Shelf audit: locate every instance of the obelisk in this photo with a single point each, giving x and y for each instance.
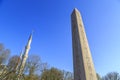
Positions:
(82, 59)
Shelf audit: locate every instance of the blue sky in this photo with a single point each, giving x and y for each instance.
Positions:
(50, 19)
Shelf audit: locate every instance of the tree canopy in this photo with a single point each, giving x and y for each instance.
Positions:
(52, 74)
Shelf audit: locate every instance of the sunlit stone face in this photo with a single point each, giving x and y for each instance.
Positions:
(82, 60)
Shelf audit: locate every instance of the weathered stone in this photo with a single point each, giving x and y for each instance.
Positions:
(82, 59)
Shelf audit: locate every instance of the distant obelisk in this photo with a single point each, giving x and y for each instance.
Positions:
(82, 59)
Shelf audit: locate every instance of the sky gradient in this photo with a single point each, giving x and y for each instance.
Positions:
(51, 22)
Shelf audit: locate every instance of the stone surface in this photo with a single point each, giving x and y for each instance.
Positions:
(82, 59)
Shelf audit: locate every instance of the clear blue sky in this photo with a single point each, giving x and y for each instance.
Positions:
(51, 22)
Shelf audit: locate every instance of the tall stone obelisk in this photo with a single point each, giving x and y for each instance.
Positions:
(82, 59)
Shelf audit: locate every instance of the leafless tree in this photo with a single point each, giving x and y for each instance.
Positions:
(13, 62)
(4, 54)
(67, 75)
(112, 76)
(32, 64)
